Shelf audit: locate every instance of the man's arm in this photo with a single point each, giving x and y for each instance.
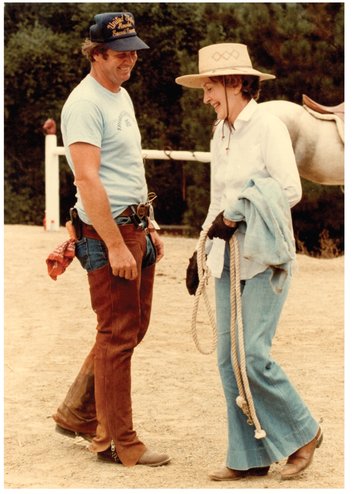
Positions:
(86, 160)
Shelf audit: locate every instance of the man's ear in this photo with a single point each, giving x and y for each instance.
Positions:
(95, 56)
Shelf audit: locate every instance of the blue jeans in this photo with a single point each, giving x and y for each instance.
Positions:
(279, 408)
(92, 253)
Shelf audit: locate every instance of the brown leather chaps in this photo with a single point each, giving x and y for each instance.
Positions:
(99, 400)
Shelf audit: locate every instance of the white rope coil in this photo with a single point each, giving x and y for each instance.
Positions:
(244, 400)
(204, 274)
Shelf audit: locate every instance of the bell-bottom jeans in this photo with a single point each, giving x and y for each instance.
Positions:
(99, 400)
(281, 411)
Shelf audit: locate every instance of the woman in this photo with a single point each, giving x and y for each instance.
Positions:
(254, 183)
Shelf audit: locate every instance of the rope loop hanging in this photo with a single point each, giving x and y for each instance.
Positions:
(244, 400)
(204, 274)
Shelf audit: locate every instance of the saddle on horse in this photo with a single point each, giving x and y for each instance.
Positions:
(326, 113)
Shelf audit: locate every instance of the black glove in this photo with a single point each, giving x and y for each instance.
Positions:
(192, 275)
(220, 229)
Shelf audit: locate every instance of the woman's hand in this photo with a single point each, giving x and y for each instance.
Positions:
(222, 228)
(230, 223)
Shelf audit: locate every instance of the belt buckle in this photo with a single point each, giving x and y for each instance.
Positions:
(141, 210)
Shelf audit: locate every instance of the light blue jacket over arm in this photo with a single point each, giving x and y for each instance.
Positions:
(264, 214)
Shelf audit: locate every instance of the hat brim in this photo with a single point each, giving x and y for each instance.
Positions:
(198, 80)
(130, 43)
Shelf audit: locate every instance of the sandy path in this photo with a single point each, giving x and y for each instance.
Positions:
(178, 403)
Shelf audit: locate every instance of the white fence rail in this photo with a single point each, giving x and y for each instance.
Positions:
(52, 186)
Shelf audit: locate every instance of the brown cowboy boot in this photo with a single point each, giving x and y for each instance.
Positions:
(302, 458)
(77, 413)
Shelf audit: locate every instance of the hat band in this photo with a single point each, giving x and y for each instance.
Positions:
(238, 67)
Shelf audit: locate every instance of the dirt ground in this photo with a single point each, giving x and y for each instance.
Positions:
(177, 398)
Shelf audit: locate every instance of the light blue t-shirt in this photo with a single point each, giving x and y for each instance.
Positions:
(97, 116)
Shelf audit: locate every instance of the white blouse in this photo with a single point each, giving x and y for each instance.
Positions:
(259, 145)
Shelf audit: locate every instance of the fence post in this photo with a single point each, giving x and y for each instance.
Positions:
(52, 184)
(52, 191)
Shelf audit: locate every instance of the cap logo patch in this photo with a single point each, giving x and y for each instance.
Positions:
(121, 26)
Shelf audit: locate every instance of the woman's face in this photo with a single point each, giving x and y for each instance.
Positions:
(215, 95)
(227, 101)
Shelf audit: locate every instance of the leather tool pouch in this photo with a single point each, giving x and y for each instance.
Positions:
(76, 222)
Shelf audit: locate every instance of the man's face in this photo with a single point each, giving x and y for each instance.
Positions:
(116, 66)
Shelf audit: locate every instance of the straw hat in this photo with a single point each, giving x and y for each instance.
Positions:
(222, 59)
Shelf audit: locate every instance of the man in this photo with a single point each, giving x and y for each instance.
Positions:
(116, 241)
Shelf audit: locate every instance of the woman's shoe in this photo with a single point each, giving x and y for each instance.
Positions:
(226, 474)
(301, 459)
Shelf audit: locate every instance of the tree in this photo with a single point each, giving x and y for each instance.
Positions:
(302, 43)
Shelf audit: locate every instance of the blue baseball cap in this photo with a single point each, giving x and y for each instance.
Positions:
(117, 31)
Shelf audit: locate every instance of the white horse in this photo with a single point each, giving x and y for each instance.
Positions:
(318, 145)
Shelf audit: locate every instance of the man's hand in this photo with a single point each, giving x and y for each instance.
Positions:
(158, 245)
(222, 228)
(122, 262)
(192, 275)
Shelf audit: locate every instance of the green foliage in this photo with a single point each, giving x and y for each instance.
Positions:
(302, 43)
(320, 213)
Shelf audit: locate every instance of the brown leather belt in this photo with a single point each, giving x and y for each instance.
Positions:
(140, 209)
(127, 212)
(90, 232)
